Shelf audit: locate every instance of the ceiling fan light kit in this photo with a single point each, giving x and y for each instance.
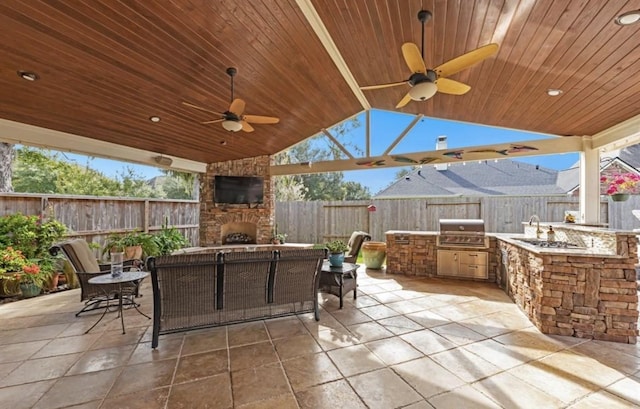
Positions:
(231, 126)
(423, 91)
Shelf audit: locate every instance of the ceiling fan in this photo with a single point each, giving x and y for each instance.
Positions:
(233, 119)
(425, 82)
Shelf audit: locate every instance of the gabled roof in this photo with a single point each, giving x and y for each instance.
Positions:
(103, 68)
(504, 177)
(630, 155)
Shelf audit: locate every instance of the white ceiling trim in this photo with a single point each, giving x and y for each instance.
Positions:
(325, 38)
(19, 133)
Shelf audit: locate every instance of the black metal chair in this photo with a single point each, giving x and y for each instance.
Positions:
(85, 266)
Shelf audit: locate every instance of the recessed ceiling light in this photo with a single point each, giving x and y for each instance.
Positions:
(27, 75)
(554, 92)
(630, 17)
(154, 118)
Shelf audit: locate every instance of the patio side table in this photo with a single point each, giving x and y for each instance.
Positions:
(125, 278)
(339, 280)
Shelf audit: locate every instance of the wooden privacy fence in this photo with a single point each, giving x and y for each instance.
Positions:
(316, 222)
(94, 218)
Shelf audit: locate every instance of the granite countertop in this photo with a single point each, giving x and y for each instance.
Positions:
(580, 251)
(593, 228)
(413, 232)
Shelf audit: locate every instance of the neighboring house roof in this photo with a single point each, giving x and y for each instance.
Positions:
(630, 155)
(156, 181)
(505, 177)
(569, 179)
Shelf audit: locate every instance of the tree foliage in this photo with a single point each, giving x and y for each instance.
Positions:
(42, 171)
(318, 186)
(180, 185)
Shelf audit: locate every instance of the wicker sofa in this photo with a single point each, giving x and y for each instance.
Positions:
(202, 290)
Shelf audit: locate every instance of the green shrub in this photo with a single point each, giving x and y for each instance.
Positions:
(32, 236)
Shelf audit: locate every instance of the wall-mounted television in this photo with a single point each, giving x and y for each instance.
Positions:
(238, 189)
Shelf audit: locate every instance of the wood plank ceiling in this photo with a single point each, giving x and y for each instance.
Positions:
(106, 67)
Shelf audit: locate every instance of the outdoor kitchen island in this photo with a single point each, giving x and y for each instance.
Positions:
(587, 290)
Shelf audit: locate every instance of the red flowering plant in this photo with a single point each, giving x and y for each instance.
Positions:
(621, 183)
(16, 268)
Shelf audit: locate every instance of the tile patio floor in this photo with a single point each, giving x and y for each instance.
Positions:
(405, 342)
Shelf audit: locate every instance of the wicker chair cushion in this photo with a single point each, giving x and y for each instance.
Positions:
(355, 242)
(81, 256)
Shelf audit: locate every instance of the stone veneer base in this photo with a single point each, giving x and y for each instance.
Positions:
(575, 295)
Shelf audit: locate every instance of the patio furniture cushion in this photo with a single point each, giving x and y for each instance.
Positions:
(354, 244)
(80, 256)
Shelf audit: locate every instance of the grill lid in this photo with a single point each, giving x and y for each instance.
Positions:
(462, 226)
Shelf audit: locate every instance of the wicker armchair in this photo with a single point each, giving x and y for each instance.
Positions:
(355, 243)
(85, 266)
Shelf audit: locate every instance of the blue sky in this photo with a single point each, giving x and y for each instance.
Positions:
(385, 127)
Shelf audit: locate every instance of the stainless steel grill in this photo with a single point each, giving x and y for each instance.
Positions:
(462, 232)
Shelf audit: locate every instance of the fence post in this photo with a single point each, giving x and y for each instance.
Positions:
(146, 216)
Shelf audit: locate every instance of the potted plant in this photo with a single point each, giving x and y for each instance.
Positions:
(278, 238)
(169, 239)
(620, 185)
(134, 245)
(20, 273)
(336, 249)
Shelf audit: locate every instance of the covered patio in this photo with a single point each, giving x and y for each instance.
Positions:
(404, 342)
(110, 79)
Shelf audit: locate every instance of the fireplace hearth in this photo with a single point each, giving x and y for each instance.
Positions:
(239, 233)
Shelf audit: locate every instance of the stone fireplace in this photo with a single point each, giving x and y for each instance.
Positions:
(217, 220)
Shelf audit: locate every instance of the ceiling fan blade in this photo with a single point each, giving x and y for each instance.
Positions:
(212, 122)
(413, 58)
(201, 109)
(246, 127)
(237, 106)
(447, 86)
(466, 60)
(258, 119)
(404, 101)
(390, 84)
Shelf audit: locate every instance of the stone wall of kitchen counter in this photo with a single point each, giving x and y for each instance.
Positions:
(413, 253)
(577, 295)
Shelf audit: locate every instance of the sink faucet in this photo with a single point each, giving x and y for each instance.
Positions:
(537, 220)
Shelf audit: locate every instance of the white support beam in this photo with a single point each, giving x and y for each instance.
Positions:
(618, 136)
(486, 152)
(337, 143)
(325, 38)
(368, 132)
(403, 134)
(589, 185)
(18, 133)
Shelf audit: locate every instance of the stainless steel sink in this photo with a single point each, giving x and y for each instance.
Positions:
(551, 244)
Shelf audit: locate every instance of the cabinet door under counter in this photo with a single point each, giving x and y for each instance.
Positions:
(462, 263)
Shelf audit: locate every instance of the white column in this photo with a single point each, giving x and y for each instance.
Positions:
(589, 185)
